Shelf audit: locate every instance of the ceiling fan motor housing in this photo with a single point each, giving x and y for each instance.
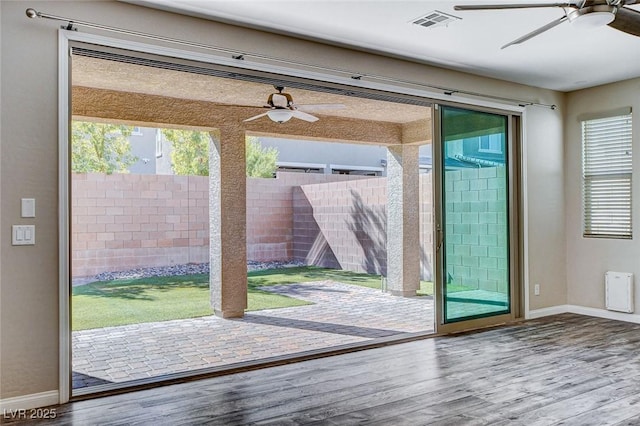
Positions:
(280, 100)
(593, 16)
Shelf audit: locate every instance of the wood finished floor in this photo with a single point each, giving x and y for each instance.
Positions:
(565, 369)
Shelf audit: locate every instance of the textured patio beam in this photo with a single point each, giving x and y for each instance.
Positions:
(159, 111)
(417, 132)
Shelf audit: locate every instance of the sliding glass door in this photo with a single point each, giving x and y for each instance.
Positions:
(475, 278)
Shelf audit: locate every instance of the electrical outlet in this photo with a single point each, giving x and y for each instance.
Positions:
(536, 289)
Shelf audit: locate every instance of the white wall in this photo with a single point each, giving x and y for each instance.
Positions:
(143, 147)
(589, 258)
(546, 202)
(29, 162)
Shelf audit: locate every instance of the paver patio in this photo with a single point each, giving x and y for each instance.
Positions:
(341, 314)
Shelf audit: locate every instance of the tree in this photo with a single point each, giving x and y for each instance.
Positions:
(100, 147)
(190, 151)
(261, 162)
(190, 154)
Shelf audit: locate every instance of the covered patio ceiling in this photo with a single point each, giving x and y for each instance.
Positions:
(143, 95)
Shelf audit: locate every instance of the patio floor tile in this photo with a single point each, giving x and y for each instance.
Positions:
(341, 314)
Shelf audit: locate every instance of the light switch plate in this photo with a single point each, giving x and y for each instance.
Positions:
(23, 235)
(28, 207)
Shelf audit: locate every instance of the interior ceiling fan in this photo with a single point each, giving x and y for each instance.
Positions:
(282, 108)
(584, 13)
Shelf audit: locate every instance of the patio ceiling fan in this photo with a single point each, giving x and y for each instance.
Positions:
(282, 108)
(584, 13)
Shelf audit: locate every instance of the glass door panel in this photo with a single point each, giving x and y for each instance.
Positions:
(475, 251)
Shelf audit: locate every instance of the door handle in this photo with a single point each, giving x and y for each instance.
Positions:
(440, 238)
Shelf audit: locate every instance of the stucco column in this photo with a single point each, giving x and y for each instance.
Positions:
(227, 223)
(403, 220)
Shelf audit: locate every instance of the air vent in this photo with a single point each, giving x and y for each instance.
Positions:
(435, 19)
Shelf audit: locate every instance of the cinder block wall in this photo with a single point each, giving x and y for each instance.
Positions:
(270, 213)
(343, 225)
(477, 228)
(128, 221)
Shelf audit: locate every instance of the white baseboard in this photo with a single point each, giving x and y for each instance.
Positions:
(27, 402)
(584, 310)
(603, 313)
(545, 312)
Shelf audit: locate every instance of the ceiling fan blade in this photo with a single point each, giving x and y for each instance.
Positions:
(627, 20)
(318, 107)
(537, 32)
(303, 116)
(512, 6)
(256, 117)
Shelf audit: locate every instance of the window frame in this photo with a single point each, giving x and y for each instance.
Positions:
(490, 150)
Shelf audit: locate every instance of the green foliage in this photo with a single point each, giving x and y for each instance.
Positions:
(190, 153)
(100, 147)
(261, 162)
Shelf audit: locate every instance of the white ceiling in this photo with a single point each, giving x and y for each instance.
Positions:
(565, 58)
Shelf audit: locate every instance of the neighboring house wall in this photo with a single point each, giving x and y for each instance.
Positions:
(331, 155)
(162, 157)
(152, 150)
(143, 147)
(327, 153)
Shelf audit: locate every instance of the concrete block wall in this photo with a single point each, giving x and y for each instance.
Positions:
(343, 225)
(269, 218)
(127, 221)
(477, 237)
(270, 213)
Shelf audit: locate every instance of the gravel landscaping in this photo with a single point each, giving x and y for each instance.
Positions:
(187, 269)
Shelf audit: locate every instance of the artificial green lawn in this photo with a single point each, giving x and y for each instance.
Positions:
(132, 301)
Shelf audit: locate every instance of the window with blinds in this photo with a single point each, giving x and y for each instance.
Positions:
(606, 172)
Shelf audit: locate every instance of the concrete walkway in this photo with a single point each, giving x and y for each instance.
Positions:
(341, 314)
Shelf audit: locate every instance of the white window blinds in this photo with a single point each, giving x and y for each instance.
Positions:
(606, 168)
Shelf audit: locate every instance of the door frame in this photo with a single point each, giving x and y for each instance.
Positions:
(516, 191)
(65, 37)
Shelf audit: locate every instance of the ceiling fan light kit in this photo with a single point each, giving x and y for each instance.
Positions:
(280, 115)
